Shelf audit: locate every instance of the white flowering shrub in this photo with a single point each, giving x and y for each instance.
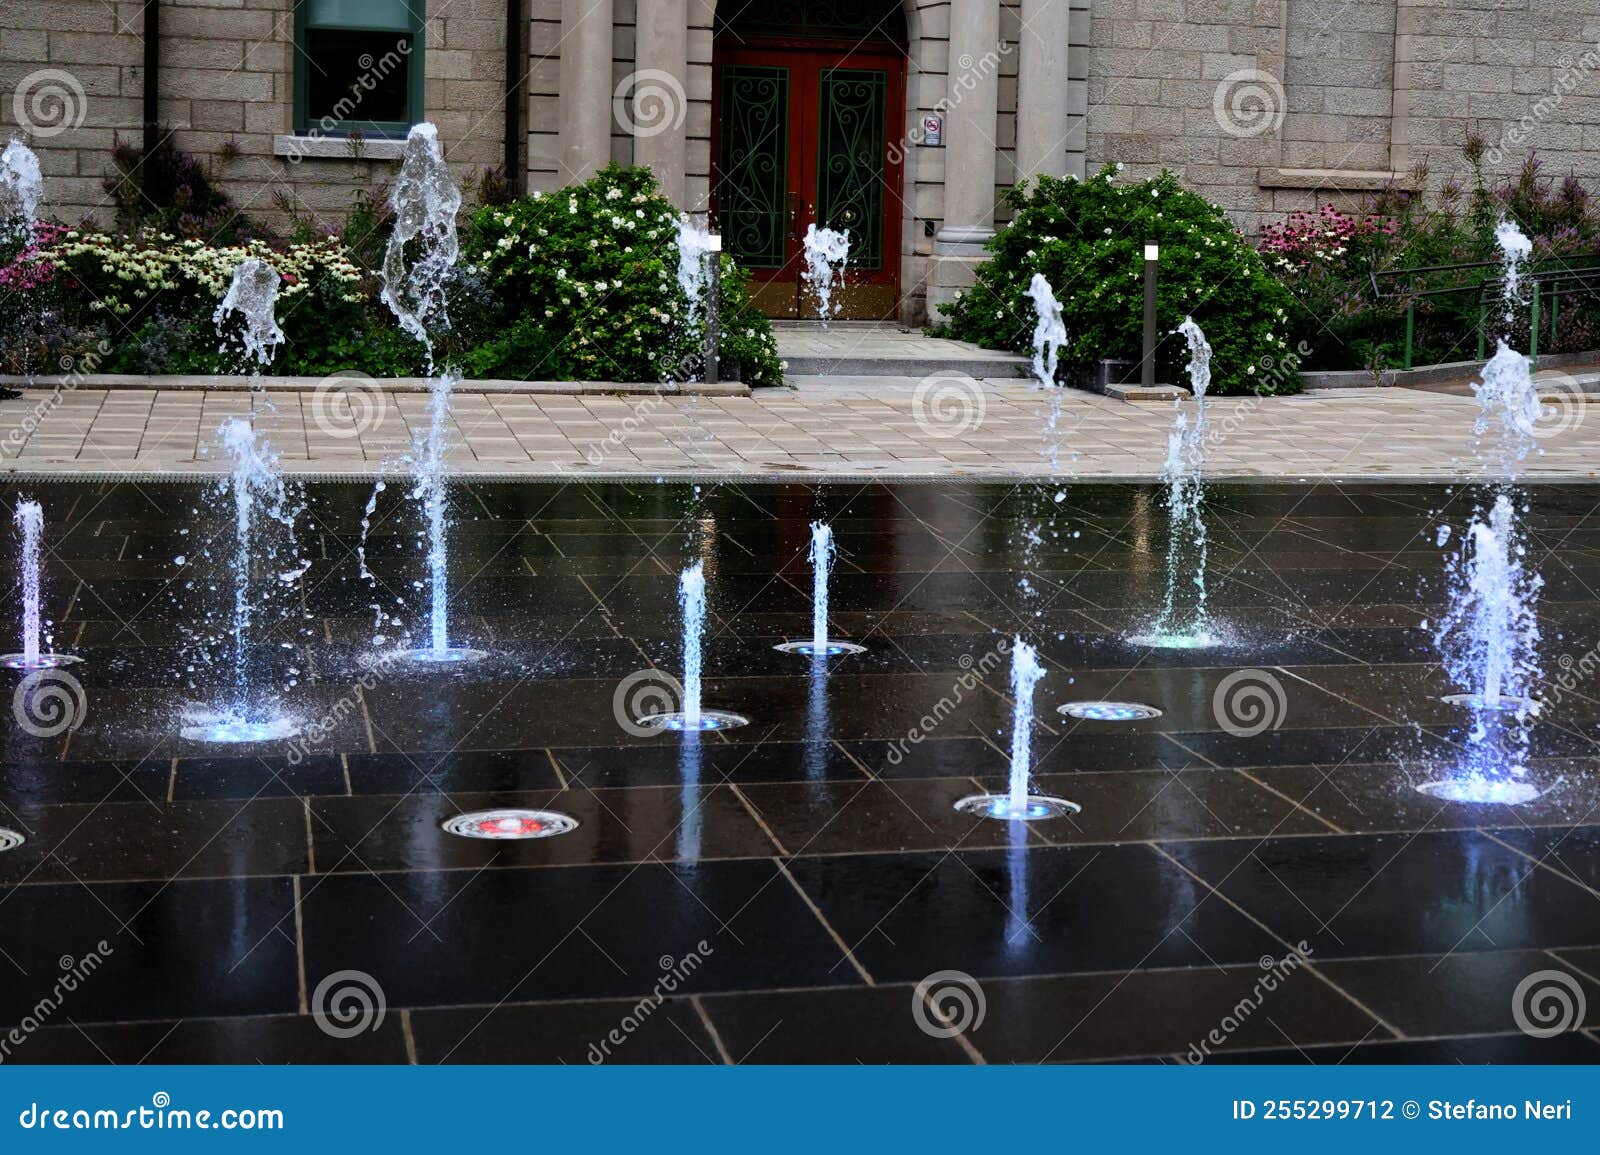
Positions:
(149, 300)
(1088, 238)
(584, 286)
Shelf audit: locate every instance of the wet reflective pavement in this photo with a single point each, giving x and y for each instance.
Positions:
(1262, 887)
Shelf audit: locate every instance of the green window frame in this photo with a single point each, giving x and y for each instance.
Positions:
(398, 30)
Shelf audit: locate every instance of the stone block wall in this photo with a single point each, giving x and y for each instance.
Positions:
(1268, 106)
(227, 95)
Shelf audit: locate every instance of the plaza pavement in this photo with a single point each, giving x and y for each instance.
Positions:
(824, 428)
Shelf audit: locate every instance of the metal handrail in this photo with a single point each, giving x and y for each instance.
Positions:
(1536, 277)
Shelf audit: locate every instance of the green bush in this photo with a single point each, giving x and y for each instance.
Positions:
(576, 285)
(1088, 238)
(585, 286)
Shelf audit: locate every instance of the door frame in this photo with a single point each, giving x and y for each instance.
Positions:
(806, 60)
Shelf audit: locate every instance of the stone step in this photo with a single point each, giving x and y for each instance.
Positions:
(878, 349)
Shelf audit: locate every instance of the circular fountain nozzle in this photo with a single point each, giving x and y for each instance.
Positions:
(708, 720)
(1195, 640)
(831, 648)
(449, 656)
(1109, 711)
(1505, 703)
(510, 825)
(1482, 790)
(1034, 807)
(42, 662)
(10, 840)
(231, 727)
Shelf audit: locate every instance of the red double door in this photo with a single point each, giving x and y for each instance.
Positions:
(809, 132)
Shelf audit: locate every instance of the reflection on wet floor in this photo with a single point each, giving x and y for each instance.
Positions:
(797, 878)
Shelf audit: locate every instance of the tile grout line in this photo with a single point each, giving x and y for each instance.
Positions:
(1300, 806)
(410, 1039)
(1308, 964)
(711, 1029)
(1565, 877)
(849, 954)
(960, 1037)
(311, 842)
(555, 765)
(300, 949)
(366, 719)
(761, 822)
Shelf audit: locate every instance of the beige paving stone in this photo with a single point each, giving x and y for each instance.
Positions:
(821, 429)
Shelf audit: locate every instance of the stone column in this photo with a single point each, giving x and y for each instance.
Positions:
(1042, 89)
(970, 130)
(586, 88)
(660, 95)
(1405, 60)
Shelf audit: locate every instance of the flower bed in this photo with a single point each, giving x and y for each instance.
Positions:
(551, 288)
(1353, 275)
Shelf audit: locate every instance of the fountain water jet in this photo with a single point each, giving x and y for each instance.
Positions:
(29, 519)
(1515, 248)
(1489, 640)
(21, 191)
(1489, 637)
(1183, 622)
(1017, 804)
(827, 255)
(425, 201)
(1049, 333)
(692, 598)
(694, 275)
(255, 482)
(823, 553)
(252, 296)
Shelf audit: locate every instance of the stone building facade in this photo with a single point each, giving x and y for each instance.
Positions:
(900, 119)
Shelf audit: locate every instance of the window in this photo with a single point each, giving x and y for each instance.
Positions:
(358, 66)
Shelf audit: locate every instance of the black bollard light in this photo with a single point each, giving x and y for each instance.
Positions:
(1147, 370)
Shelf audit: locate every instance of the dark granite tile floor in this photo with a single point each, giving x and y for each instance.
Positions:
(798, 890)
